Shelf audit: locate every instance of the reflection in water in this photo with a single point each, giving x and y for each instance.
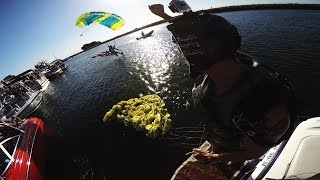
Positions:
(153, 62)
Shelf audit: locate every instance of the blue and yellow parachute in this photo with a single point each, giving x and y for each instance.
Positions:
(110, 20)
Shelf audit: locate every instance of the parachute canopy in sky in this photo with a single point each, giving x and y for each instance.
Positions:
(110, 20)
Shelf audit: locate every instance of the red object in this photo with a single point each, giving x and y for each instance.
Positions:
(29, 157)
(102, 54)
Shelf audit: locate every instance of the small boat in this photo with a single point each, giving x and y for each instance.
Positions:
(33, 79)
(60, 63)
(143, 36)
(51, 70)
(21, 95)
(30, 105)
(22, 148)
(42, 66)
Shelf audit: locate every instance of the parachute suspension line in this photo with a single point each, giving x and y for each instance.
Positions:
(203, 133)
(85, 30)
(186, 136)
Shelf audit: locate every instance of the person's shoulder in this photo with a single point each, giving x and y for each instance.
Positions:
(273, 85)
(265, 94)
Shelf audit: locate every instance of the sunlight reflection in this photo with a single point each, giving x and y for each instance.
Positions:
(154, 60)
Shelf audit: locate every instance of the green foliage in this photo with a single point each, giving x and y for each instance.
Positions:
(147, 114)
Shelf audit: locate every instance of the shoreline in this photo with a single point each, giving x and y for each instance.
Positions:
(294, 6)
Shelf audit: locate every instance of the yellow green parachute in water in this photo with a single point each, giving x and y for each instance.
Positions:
(110, 20)
(147, 114)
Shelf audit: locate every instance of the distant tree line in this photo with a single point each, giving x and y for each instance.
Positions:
(91, 45)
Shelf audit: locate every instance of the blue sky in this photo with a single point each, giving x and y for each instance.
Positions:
(35, 30)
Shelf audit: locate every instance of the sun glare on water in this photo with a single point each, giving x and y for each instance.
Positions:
(154, 59)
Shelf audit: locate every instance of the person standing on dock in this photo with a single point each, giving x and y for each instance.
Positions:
(248, 108)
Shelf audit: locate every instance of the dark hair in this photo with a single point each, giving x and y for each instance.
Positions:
(204, 38)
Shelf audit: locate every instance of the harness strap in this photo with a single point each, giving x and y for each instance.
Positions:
(258, 72)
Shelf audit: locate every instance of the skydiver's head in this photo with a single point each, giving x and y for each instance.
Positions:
(205, 39)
